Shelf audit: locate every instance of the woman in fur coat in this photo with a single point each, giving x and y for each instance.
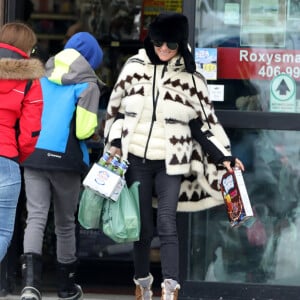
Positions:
(160, 118)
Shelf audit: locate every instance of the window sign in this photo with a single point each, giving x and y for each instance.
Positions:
(283, 94)
(257, 63)
(206, 61)
(263, 23)
(232, 14)
(216, 92)
(294, 10)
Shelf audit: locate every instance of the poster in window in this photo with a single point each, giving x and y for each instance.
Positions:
(263, 23)
(206, 61)
(294, 10)
(232, 14)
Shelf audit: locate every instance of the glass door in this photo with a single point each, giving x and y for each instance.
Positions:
(249, 52)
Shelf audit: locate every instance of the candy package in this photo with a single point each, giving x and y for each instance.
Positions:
(235, 195)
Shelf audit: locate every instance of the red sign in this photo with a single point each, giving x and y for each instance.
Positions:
(257, 63)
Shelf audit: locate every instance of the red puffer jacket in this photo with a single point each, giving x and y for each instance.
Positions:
(20, 114)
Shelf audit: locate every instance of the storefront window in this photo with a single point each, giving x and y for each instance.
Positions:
(268, 251)
(249, 51)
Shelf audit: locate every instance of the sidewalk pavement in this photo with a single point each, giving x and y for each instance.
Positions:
(53, 296)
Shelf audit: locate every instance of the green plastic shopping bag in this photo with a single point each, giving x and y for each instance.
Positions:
(131, 212)
(90, 209)
(121, 218)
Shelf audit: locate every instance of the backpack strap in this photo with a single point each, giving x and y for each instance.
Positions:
(27, 87)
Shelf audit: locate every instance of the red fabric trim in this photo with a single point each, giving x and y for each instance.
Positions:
(15, 49)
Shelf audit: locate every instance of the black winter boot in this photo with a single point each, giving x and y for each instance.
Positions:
(67, 288)
(31, 276)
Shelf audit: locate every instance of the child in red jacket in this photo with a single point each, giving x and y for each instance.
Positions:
(21, 105)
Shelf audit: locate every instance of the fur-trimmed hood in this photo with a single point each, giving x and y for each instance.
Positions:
(15, 66)
(21, 69)
(12, 71)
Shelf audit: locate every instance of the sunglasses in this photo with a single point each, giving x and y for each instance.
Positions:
(170, 45)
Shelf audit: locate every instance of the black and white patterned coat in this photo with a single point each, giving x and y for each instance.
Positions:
(139, 86)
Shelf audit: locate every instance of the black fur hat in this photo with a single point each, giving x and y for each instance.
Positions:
(170, 27)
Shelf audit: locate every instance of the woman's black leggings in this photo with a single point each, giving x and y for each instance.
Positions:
(153, 178)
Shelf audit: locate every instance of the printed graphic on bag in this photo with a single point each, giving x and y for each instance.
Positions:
(101, 177)
(103, 181)
(236, 198)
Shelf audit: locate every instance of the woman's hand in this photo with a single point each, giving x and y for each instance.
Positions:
(113, 151)
(238, 164)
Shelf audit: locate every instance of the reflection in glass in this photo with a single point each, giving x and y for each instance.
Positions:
(251, 52)
(268, 251)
